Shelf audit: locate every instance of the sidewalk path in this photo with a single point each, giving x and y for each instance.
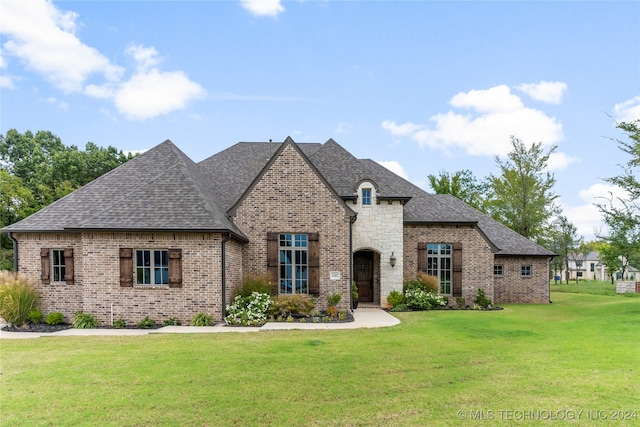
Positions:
(363, 318)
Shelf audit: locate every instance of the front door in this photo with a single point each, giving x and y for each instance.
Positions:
(363, 273)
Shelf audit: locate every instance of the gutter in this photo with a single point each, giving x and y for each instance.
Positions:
(224, 275)
(15, 251)
(353, 220)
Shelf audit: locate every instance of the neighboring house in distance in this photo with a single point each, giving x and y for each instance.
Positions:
(165, 237)
(591, 268)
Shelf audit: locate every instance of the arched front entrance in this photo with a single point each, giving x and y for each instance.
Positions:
(364, 274)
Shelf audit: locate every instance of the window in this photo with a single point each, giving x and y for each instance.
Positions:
(152, 267)
(366, 196)
(525, 270)
(439, 265)
(592, 268)
(497, 270)
(579, 274)
(58, 265)
(293, 264)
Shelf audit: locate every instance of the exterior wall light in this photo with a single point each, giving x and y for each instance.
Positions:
(392, 260)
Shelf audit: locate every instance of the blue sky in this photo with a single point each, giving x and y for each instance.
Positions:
(419, 86)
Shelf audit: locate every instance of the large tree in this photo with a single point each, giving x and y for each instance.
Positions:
(561, 238)
(521, 197)
(462, 184)
(37, 169)
(622, 215)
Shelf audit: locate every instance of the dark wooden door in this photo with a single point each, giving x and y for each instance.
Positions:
(363, 274)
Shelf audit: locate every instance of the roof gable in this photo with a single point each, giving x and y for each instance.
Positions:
(288, 142)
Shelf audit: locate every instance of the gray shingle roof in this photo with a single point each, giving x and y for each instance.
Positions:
(165, 190)
(160, 190)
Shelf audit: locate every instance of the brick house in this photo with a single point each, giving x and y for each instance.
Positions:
(166, 237)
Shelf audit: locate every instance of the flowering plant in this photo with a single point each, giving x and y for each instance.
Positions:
(419, 299)
(249, 311)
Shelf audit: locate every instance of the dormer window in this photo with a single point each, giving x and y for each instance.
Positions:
(366, 196)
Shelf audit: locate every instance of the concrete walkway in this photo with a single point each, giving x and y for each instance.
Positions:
(363, 318)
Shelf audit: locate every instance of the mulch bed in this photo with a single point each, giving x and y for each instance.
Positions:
(44, 328)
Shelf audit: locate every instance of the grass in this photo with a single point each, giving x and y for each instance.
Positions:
(578, 354)
(588, 287)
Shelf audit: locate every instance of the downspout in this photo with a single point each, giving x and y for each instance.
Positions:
(224, 275)
(15, 252)
(353, 219)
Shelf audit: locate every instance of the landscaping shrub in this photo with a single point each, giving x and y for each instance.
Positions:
(418, 299)
(172, 322)
(395, 298)
(249, 311)
(120, 324)
(256, 283)
(201, 319)
(424, 282)
(481, 299)
(83, 320)
(35, 316)
(332, 305)
(146, 323)
(18, 297)
(292, 305)
(55, 318)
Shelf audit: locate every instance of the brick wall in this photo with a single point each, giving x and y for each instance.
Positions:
(477, 255)
(291, 198)
(97, 289)
(512, 287)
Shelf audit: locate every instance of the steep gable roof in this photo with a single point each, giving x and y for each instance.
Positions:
(160, 190)
(288, 142)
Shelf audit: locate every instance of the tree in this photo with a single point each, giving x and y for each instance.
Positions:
(521, 196)
(36, 170)
(579, 255)
(563, 240)
(622, 215)
(462, 184)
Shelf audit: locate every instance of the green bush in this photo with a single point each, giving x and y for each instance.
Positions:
(460, 302)
(146, 323)
(481, 299)
(423, 282)
(249, 311)
(292, 305)
(201, 319)
(120, 324)
(18, 297)
(399, 307)
(55, 318)
(35, 316)
(394, 298)
(418, 299)
(83, 320)
(256, 283)
(172, 322)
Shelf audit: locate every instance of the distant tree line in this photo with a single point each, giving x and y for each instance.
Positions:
(521, 197)
(36, 170)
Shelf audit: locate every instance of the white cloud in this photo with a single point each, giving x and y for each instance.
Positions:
(560, 161)
(586, 216)
(60, 104)
(485, 130)
(628, 111)
(395, 167)
(43, 38)
(153, 93)
(263, 7)
(549, 92)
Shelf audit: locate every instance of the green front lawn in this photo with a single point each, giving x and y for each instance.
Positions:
(580, 353)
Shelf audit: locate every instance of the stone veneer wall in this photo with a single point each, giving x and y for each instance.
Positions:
(477, 255)
(512, 287)
(291, 198)
(379, 227)
(97, 273)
